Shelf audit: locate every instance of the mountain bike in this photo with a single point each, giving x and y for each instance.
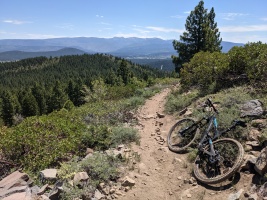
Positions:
(218, 159)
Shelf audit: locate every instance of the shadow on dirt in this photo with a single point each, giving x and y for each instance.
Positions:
(223, 185)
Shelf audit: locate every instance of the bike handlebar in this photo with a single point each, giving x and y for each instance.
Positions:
(210, 104)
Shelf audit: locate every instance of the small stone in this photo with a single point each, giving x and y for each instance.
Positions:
(188, 195)
(253, 197)
(128, 182)
(192, 180)
(80, 177)
(118, 193)
(102, 185)
(146, 174)
(42, 190)
(112, 191)
(160, 115)
(89, 151)
(235, 196)
(99, 195)
(49, 174)
(246, 194)
(127, 189)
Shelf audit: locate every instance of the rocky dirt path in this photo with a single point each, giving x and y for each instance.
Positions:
(162, 174)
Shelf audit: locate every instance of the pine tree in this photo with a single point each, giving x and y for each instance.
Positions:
(8, 108)
(29, 105)
(57, 98)
(39, 94)
(70, 91)
(212, 34)
(201, 34)
(124, 72)
(79, 95)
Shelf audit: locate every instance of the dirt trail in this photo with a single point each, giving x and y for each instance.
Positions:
(162, 174)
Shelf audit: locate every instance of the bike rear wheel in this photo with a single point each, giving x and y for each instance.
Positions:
(231, 157)
(181, 135)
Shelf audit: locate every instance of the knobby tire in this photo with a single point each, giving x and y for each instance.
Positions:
(200, 166)
(182, 142)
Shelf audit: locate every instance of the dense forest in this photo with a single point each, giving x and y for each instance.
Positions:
(40, 85)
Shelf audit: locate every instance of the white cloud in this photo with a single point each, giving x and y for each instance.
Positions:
(127, 35)
(143, 31)
(100, 16)
(264, 19)
(165, 30)
(16, 22)
(243, 37)
(231, 16)
(248, 28)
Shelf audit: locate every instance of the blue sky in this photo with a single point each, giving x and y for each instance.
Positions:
(238, 20)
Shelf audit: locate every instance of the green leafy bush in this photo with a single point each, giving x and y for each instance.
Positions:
(203, 70)
(123, 135)
(39, 142)
(97, 137)
(178, 100)
(212, 72)
(68, 169)
(101, 167)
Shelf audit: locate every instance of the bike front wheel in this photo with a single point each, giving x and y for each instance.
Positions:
(181, 135)
(230, 157)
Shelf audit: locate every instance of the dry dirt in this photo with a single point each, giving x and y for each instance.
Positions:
(161, 174)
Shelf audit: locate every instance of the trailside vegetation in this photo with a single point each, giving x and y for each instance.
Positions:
(211, 72)
(52, 109)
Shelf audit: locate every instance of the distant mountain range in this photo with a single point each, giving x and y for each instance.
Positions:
(137, 49)
(18, 55)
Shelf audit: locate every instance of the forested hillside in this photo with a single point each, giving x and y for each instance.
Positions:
(19, 55)
(41, 85)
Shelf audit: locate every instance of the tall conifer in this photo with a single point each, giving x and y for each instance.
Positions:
(201, 34)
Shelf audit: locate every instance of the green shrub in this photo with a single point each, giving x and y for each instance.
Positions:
(123, 135)
(204, 70)
(212, 72)
(71, 193)
(43, 141)
(67, 170)
(97, 137)
(133, 102)
(263, 136)
(119, 92)
(178, 100)
(101, 167)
